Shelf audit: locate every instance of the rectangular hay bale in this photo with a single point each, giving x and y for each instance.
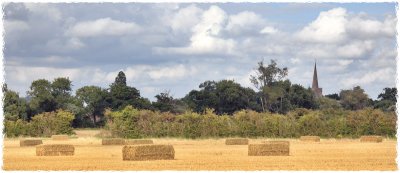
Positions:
(371, 139)
(269, 148)
(60, 137)
(29, 142)
(138, 141)
(310, 138)
(113, 141)
(148, 152)
(55, 150)
(237, 141)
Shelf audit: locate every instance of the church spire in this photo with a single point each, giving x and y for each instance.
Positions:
(315, 78)
(315, 88)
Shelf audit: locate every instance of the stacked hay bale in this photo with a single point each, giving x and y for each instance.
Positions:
(29, 142)
(237, 141)
(269, 148)
(113, 141)
(55, 150)
(371, 139)
(138, 141)
(60, 137)
(310, 138)
(148, 152)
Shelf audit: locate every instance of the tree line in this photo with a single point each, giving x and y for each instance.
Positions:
(274, 94)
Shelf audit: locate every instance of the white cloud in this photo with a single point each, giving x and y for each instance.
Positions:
(355, 49)
(329, 27)
(45, 10)
(205, 37)
(336, 25)
(74, 43)
(15, 26)
(365, 28)
(385, 75)
(24, 74)
(268, 30)
(103, 27)
(294, 60)
(173, 72)
(245, 21)
(185, 18)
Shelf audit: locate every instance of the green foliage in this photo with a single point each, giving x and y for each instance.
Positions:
(387, 100)
(61, 91)
(14, 107)
(310, 124)
(354, 99)
(121, 95)
(371, 121)
(52, 123)
(92, 101)
(124, 123)
(134, 123)
(16, 128)
(224, 96)
(44, 124)
(42, 99)
(326, 103)
(264, 80)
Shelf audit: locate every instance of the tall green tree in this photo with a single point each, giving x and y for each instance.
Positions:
(386, 100)
(92, 99)
(164, 102)
(14, 107)
(61, 91)
(354, 99)
(301, 97)
(264, 81)
(42, 99)
(224, 96)
(122, 95)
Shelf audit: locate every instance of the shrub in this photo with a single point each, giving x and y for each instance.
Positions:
(16, 128)
(310, 124)
(51, 123)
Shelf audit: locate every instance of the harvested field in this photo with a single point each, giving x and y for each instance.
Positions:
(237, 141)
(371, 139)
(60, 137)
(209, 154)
(310, 138)
(148, 152)
(29, 142)
(113, 141)
(269, 148)
(138, 141)
(55, 150)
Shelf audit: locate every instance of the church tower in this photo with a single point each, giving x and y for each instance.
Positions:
(316, 90)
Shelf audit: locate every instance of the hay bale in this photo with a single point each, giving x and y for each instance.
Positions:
(310, 138)
(148, 152)
(113, 141)
(276, 142)
(55, 150)
(269, 148)
(29, 142)
(371, 139)
(138, 141)
(60, 137)
(237, 141)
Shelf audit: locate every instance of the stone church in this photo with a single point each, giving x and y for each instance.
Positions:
(315, 88)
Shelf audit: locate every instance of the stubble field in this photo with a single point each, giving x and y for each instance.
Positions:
(207, 154)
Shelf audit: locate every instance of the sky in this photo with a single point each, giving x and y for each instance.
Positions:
(176, 46)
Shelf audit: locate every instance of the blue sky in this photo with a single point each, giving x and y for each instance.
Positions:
(178, 46)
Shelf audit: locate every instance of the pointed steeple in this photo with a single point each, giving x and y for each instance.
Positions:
(315, 88)
(315, 78)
